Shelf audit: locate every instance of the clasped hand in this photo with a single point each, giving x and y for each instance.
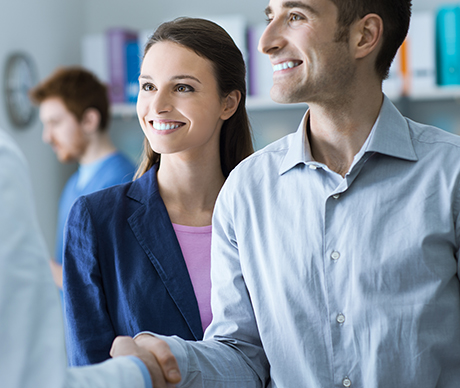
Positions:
(154, 353)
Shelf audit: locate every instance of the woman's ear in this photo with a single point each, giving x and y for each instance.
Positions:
(231, 102)
(91, 120)
(367, 35)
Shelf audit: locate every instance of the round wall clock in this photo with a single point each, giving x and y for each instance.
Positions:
(20, 76)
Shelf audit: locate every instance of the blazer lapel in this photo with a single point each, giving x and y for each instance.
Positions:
(153, 230)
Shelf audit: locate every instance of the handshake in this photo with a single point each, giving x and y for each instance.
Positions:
(154, 353)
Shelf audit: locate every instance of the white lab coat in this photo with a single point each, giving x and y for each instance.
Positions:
(32, 351)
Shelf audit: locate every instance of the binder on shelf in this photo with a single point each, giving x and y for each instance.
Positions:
(143, 37)
(236, 27)
(393, 86)
(94, 56)
(132, 71)
(448, 45)
(422, 53)
(260, 68)
(118, 40)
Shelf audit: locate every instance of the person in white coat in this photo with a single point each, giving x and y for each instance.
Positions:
(31, 328)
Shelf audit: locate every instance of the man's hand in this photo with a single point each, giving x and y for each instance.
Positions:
(56, 270)
(154, 353)
(163, 355)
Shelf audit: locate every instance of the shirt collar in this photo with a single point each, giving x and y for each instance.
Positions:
(299, 147)
(390, 135)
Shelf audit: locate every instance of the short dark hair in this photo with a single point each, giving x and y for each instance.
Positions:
(210, 41)
(396, 18)
(79, 90)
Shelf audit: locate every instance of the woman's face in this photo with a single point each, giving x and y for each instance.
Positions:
(179, 106)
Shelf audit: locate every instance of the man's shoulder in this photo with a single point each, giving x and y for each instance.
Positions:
(430, 139)
(119, 162)
(266, 158)
(116, 170)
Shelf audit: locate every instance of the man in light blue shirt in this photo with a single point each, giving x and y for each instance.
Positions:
(335, 249)
(74, 109)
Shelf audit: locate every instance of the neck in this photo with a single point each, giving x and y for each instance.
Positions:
(189, 188)
(339, 130)
(99, 146)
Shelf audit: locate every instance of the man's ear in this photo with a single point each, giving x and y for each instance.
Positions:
(367, 35)
(91, 120)
(231, 101)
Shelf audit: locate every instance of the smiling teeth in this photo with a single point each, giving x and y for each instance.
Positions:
(284, 66)
(164, 127)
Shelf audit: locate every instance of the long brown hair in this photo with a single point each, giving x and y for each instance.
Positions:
(210, 41)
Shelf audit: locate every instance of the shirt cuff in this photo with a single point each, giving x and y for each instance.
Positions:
(144, 370)
(178, 349)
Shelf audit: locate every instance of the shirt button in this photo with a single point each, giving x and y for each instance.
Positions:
(336, 196)
(312, 167)
(335, 255)
(340, 318)
(346, 382)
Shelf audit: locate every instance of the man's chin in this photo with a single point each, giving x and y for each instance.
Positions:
(65, 159)
(283, 97)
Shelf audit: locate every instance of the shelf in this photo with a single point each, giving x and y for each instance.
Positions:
(123, 111)
(261, 104)
(256, 104)
(439, 93)
(128, 111)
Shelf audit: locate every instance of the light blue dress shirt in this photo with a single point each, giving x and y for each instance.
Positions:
(332, 281)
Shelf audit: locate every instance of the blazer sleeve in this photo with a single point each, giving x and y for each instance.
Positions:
(89, 331)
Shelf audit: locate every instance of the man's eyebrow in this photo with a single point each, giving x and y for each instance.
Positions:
(294, 4)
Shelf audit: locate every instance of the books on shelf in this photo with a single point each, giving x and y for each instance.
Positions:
(236, 27)
(422, 52)
(427, 65)
(120, 51)
(448, 45)
(260, 68)
(114, 58)
(94, 56)
(393, 86)
(413, 71)
(142, 38)
(132, 71)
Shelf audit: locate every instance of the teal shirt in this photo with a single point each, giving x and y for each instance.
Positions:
(111, 171)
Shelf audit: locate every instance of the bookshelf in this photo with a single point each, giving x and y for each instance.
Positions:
(426, 102)
(438, 93)
(256, 104)
(253, 104)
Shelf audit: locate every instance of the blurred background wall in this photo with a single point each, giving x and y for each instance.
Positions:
(50, 31)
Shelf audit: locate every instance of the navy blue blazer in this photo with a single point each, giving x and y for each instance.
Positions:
(124, 271)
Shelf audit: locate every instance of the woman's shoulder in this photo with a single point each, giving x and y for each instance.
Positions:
(103, 205)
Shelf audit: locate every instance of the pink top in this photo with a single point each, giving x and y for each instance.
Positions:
(195, 242)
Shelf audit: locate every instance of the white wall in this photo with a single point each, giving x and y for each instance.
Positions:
(50, 31)
(142, 14)
(421, 5)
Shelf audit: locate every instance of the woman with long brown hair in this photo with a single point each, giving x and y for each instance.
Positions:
(137, 256)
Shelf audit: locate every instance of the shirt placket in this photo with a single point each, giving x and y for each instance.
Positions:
(337, 266)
